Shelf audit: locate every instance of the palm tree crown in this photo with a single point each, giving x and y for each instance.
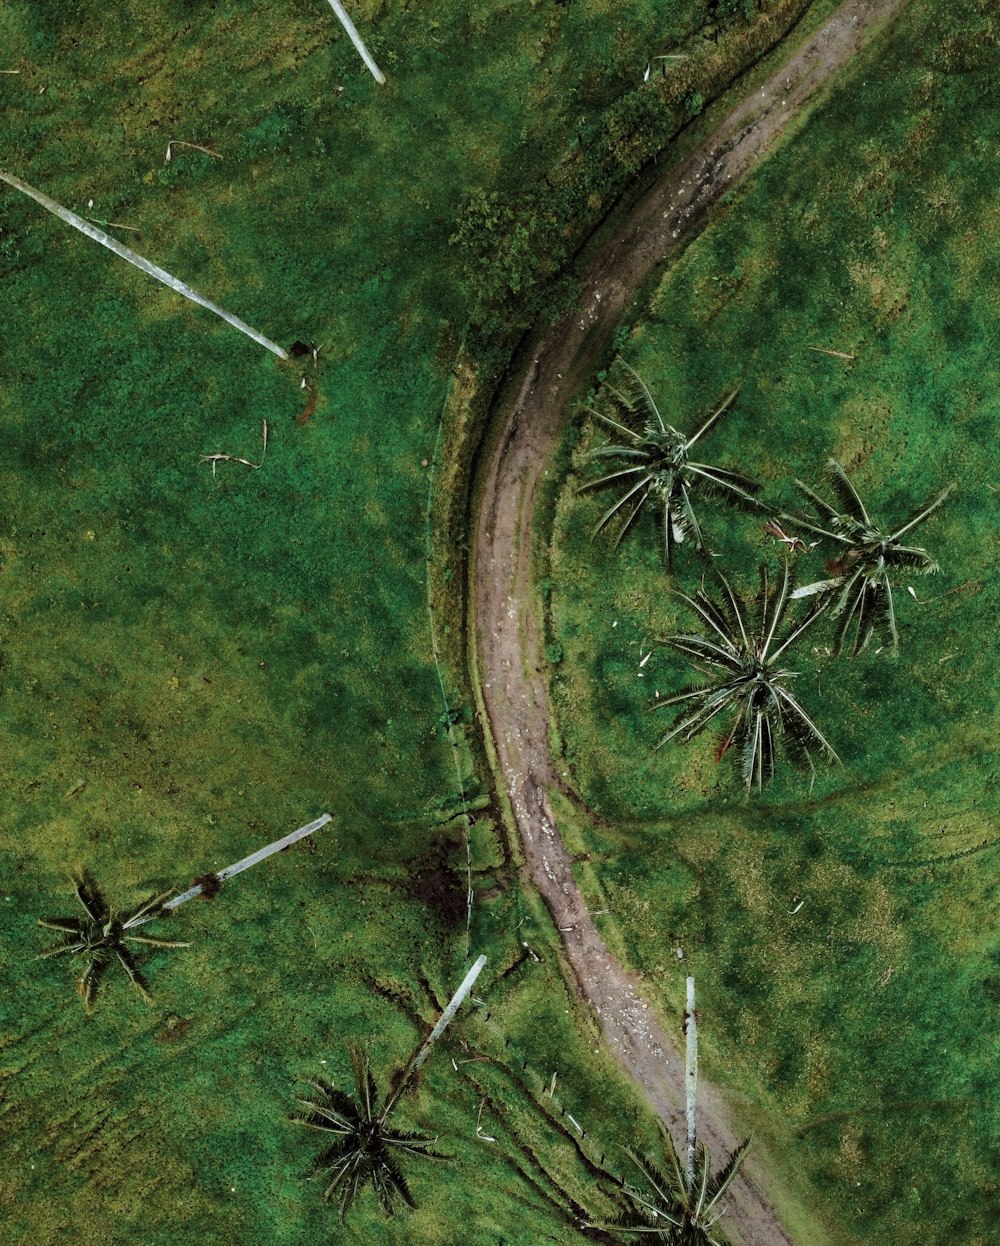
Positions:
(656, 465)
(364, 1143)
(745, 682)
(675, 1207)
(859, 590)
(100, 938)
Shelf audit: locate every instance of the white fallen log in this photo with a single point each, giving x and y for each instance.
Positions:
(358, 42)
(425, 1049)
(231, 870)
(691, 1079)
(132, 257)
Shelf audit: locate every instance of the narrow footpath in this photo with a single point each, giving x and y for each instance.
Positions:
(507, 639)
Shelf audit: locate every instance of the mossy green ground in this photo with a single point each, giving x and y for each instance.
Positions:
(194, 663)
(844, 938)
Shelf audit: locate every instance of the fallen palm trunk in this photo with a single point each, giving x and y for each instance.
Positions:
(230, 871)
(358, 42)
(422, 1052)
(691, 1078)
(132, 257)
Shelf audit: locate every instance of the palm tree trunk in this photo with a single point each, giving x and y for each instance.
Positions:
(358, 42)
(230, 871)
(445, 1020)
(132, 257)
(691, 1078)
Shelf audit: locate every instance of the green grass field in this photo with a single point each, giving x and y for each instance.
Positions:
(844, 937)
(192, 663)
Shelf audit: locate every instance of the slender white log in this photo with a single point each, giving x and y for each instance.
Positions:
(453, 1006)
(132, 257)
(358, 42)
(444, 1021)
(260, 855)
(691, 1077)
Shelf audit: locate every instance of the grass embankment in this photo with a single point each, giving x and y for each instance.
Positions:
(844, 938)
(193, 663)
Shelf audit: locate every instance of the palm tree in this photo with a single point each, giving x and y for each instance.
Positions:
(101, 937)
(681, 1203)
(675, 1208)
(364, 1141)
(656, 465)
(859, 590)
(362, 1152)
(744, 681)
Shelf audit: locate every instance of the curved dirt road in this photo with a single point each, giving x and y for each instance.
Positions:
(502, 597)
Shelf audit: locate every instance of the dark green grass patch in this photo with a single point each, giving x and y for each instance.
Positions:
(846, 932)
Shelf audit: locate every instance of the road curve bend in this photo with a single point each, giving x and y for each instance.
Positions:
(507, 639)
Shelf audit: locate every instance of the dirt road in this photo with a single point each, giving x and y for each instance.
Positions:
(502, 597)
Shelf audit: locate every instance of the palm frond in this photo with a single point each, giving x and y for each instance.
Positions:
(710, 419)
(799, 717)
(913, 558)
(884, 614)
(68, 925)
(924, 512)
(613, 510)
(89, 981)
(827, 512)
(604, 480)
(70, 946)
(618, 452)
(679, 516)
(391, 1187)
(758, 749)
(698, 1194)
(690, 723)
(845, 492)
(618, 428)
(149, 941)
(726, 1175)
(630, 520)
(776, 606)
(330, 1109)
(127, 962)
(704, 649)
(733, 488)
(797, 630)
(645, 402)
(147, 912)
(817, 587)
(851, 611)
(715, 615)
(89, 895)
